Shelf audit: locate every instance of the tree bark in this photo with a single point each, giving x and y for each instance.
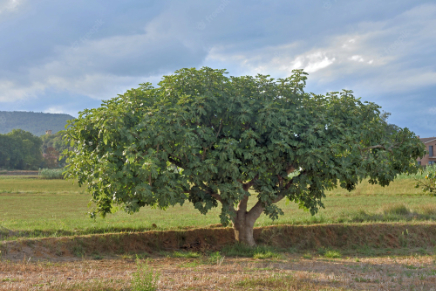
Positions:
(243, 229)
(243, 223)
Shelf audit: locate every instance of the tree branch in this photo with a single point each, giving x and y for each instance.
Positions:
(219, 129)
(380, 146)
(290, 169)
(247, 186)
(217, 197)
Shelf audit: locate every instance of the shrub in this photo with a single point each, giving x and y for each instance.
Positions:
(50, 173)
(428, 182)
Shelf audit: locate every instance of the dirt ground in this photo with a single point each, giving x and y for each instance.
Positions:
(289, 272)
(371, 257)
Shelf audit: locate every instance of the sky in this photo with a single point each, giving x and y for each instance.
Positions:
(65, 56)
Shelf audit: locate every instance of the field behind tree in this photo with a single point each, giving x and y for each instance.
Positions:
(33, 207)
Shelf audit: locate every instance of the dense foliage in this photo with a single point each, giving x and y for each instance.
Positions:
(35, 122)
(204, 137)
(52, 147)
(20, 149)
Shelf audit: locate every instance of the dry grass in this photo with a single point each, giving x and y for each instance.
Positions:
(291, 272)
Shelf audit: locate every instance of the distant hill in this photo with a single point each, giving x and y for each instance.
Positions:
(35, 122)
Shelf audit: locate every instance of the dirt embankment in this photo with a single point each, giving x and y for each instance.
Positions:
(383, 235)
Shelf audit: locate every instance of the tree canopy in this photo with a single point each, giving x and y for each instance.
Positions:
(216, 140)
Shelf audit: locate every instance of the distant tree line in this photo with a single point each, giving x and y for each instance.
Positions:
(21, 150)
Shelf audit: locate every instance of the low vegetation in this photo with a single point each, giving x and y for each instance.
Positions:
(50, 174)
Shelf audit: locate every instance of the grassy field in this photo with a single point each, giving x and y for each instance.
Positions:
(34, 207)
(375, 257)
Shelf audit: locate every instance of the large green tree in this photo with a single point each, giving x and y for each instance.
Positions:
(217, 140)
(20, 149)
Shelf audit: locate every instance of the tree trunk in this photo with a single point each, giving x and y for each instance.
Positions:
(243, 223)
(243, 226)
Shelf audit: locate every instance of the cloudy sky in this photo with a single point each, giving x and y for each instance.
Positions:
(64, 56)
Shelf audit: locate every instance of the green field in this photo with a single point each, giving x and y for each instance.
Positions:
(35, 207)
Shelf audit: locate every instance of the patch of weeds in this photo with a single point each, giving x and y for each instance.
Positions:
(328, 253)
(307, 255)
(10, 280)
(216, 258)
(266, 255)
(410, 267)
(408, 274)
(332, 254)
(186, 255)
(190, 264)
(144, 279)
(275, 281)
(240, 250)
(292, 250)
